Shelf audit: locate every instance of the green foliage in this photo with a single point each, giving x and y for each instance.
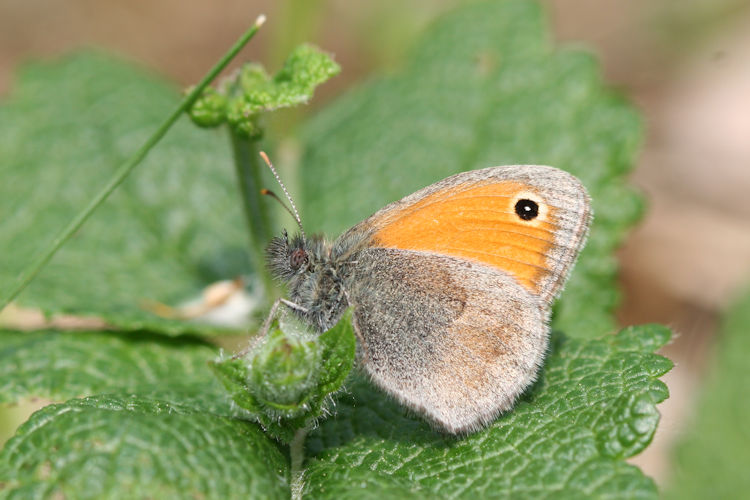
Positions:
(713, 458)
(210, 109)
(484, 87)
(285, 382)
(64, 365)
(121, 446)
(155, 422)
(171, 229)
(594, 406)
(242, 99)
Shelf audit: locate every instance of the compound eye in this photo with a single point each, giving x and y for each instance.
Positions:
(297, 259)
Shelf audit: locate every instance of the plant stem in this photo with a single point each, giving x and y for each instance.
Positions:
(249, 170)
(124, 170)
(297, 456)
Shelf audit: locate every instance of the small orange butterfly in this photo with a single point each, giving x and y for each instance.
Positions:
(451, 286)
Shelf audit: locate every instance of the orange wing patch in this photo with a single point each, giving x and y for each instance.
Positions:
(477, 222)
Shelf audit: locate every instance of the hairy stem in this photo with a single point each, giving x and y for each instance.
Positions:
(297, 453)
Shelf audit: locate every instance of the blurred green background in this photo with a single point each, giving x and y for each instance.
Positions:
(684, 64)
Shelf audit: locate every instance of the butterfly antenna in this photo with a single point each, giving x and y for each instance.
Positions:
(293, 211)
(268, 192)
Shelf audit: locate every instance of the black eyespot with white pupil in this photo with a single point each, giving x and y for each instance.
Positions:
(527, 209)
(297, 259)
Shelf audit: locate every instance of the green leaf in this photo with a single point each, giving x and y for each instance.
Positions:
(242, 99)
(713, 458)
(568, 437)
(62, 365)
(285, 382)
(484, 87)
(338, 347)
(171, 229)
(116, 446)
(165, 429)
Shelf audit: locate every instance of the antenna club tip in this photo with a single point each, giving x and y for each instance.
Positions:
(265, 192)
(260, 20)
(265, 158)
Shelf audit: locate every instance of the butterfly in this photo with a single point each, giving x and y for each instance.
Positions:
(451, 287)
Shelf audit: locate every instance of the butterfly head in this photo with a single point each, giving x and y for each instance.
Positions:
(297, 259)
(305, 267)
(287, 257)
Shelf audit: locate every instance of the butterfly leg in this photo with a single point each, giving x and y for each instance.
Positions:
(274, 311)
(357, 333)
(267, 323)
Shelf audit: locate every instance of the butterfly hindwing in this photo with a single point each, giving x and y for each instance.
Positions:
(455, 341)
